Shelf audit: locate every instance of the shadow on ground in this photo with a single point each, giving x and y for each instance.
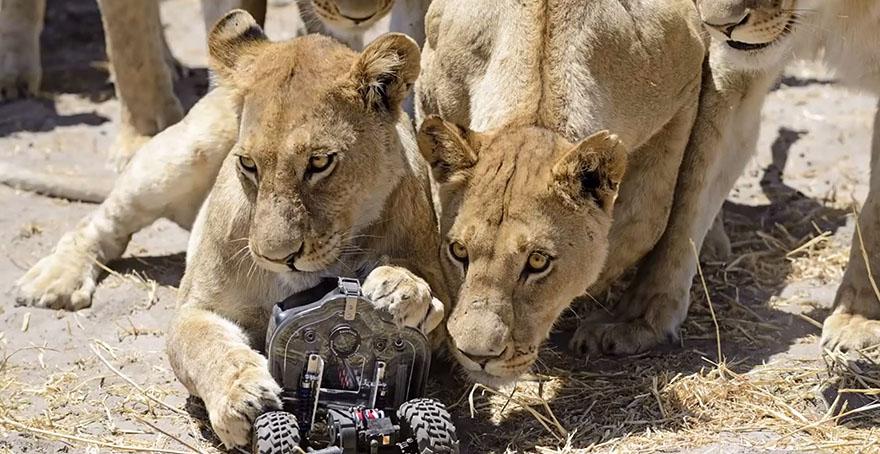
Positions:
(74, 61)
(165, 269)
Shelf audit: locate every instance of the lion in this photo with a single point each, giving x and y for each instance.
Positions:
(142, 63)
(535, 206)
(357, 22)
(323, 159)
(760, 38)
(520, 264)
(66, 279)
(175, 175)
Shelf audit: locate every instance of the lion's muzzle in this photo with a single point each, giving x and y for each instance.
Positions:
(479, 334)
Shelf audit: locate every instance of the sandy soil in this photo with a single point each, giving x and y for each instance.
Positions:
(812, 162)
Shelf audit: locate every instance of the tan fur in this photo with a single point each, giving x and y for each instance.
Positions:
(358, 22)
(263, 234)
(21, 22)
(171, 181)
(142, 63)
(510, 205)
(570, 69)
(137, 52)
(845, 33)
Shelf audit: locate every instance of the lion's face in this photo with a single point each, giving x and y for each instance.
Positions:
(525, 218)
(350, 14)
(754, 34)
(316, 151)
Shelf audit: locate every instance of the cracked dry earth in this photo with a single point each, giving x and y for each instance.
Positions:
(790, 220)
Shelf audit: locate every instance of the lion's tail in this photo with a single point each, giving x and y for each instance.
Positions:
(84, 189)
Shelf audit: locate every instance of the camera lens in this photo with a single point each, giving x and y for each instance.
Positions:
(344, 341)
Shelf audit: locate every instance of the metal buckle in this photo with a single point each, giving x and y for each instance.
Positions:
(351, 288)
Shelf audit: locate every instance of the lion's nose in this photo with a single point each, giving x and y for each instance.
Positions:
(295, 246)
(479, 334)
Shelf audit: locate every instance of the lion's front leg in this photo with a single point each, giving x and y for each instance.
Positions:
(143, 79)
(21, 22)
(171, 179)
(212, 357)
(855, 322)
(716, 245)
(656, 303)
(406, 296)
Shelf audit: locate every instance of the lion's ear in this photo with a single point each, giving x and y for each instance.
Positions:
(386, 71)
(591, 170)
(448, 148)
(232, 44)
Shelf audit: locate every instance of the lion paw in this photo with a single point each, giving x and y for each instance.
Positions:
(406, 296)
(135, 132)
(716, 244)
(850, 332)
(20, 70)
(127, 143)
(621, 338)
(232, 414)
(63, 280)
(649, 322)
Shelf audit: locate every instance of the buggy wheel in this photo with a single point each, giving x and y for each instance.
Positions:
(428, 422)
(275, 432)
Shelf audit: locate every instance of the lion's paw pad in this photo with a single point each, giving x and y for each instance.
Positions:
(253, 393)
(58, 281)
(406, 296)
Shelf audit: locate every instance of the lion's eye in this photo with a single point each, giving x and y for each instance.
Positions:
(458, 251)
(247, 164)
(538, 262)
(320, 163)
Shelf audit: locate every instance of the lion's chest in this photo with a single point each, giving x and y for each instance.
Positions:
(850, 44)
(575, 67)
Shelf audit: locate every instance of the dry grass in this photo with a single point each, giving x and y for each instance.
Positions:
(95, 405)
(686, 399)
(725, 386)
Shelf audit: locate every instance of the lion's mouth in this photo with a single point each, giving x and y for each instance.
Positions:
(749, 46)
(752, 47)
(496, 372)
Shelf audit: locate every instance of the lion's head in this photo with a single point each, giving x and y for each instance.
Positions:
(525, 220)
(755, 34)
(318, 151)
(347, 15)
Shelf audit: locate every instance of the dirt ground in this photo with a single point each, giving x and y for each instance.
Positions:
(98, 380)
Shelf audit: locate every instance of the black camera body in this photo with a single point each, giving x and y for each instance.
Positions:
(351, 379)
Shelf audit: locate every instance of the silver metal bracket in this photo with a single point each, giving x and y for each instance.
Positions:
(351, 288)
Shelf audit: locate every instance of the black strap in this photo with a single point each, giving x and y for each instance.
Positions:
(325, 286)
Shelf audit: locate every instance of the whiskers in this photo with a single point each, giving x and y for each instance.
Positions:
(239, 254)
(350, 246)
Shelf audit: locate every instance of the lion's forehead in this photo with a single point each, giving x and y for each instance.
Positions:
(522, 230)
(298, 73)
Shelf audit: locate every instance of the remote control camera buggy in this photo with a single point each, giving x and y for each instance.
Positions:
(351, 380)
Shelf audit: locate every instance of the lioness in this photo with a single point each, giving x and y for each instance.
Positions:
(358, 22)
(139, 55)
(323, 179)
(168, 178)
(526, 183)
(759, 38)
